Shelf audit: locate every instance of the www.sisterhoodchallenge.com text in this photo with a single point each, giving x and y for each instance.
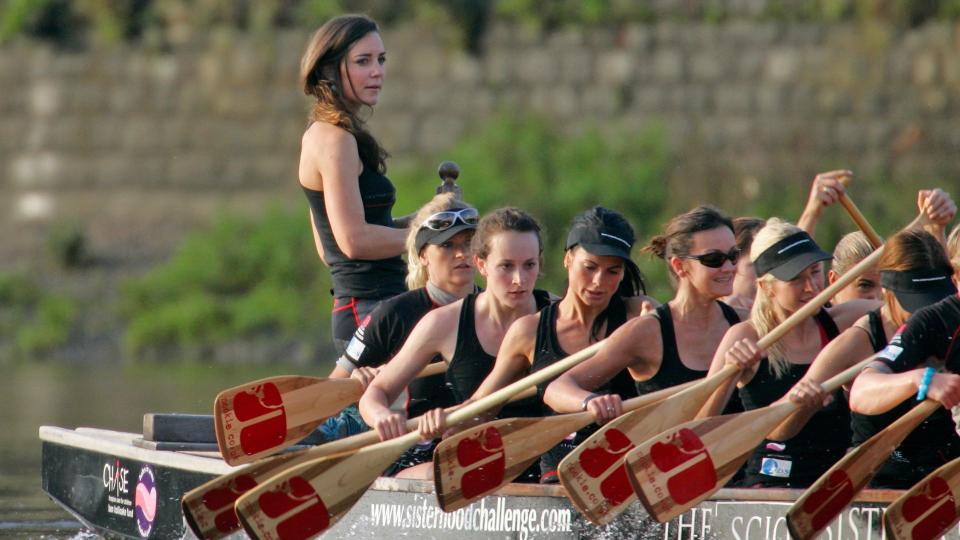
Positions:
(482, 517)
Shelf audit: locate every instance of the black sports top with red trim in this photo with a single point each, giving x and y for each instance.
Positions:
(817, 446)
(382, 334)
(933, 443)
(377, 278)
(471, 364)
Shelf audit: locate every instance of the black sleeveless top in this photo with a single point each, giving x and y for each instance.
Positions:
(822, 440)
(923, 450)
(379, 278)
(470, 364)
(548, 349)
(672, 370)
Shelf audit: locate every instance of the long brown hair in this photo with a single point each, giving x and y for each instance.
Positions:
(911, 250)
(320, 76)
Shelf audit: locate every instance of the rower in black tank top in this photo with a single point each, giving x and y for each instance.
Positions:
(914, 458)
(471, 364)
(799, 461)
(358, 285)
(547, 352)
(672, 369)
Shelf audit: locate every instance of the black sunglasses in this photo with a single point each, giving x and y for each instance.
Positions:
(714, 259)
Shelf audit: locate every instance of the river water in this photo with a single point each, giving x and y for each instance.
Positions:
(106, 396)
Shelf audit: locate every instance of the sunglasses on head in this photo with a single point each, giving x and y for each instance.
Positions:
(442, 221)
(714, 259)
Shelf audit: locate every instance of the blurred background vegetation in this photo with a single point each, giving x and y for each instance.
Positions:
(163, 23)
(256, 281)
(250, 279)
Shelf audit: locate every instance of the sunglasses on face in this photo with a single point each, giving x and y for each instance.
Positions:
(442, 221)
(714, 259)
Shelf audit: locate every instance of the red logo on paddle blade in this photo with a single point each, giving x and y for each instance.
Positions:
(222, 498)
(269, 433)
(483, 447)
(595, 461)
(311, 516)
(934, 507)
(697, 477)
(825, 503)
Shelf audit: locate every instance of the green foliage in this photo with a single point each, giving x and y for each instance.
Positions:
(31, 320)
(239, 278)
(522, 160)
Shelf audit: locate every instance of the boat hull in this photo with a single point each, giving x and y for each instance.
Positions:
(120, 489)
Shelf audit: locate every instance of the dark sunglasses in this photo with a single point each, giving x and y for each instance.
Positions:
(714, 259)
(442, 221)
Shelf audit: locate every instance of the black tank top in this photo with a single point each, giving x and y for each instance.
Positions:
(548, 349)
(379, 278)
(672, 370)
(471, 364)
(826, 435)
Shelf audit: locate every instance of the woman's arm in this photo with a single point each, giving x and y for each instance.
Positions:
(877, 390)
(425, 341)
(738, 346)
(850, 347)
(334, 153)
(824, 191)
(635, 345)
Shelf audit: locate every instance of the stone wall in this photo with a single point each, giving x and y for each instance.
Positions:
(138, 146)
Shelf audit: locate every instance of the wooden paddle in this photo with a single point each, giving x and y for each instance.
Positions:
(594, 473)
(666, 494)
(484, 458)
(306, 499)
(833, 491)
(858, 217)
(208, 508)
(929, 509)
(260, 418)
(677, 469)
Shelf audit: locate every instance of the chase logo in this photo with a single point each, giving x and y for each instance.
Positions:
(145, 506)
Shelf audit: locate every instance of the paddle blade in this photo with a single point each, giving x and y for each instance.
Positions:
(305, 500)
(832, 492)
(683, 466)
(481, 460)
(261, 418)
(929, 508)
(208, 508)
(594, 473)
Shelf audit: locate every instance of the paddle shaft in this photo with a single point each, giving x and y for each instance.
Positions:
(858, 217)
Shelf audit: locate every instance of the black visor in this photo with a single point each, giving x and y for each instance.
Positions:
(790, 256)
(915, 289)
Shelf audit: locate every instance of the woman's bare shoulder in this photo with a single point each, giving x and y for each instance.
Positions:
(322, 134)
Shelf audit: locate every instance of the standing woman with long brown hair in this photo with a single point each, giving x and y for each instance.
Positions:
(342, 170)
